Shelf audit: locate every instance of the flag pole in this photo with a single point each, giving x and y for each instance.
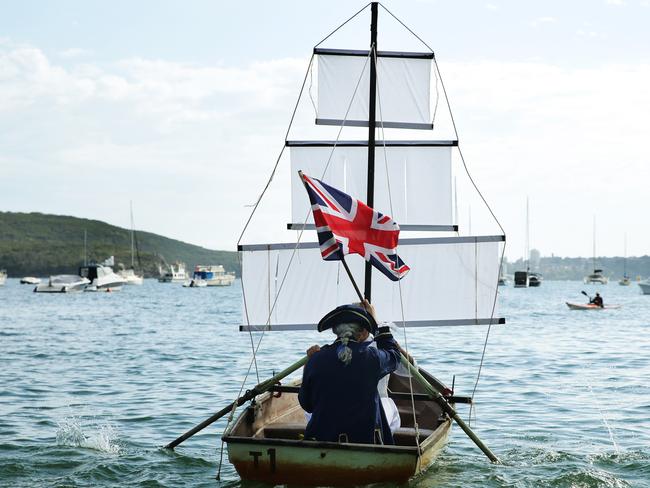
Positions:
(354, 283)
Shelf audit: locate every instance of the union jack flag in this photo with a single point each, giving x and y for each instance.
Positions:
(349, 226)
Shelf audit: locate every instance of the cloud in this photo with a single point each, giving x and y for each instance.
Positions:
(617, 3)
(193, 144)
(543, 20)
(74, 52)
(491, 6)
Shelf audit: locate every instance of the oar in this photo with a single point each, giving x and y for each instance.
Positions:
(440, 400)
(260, 388)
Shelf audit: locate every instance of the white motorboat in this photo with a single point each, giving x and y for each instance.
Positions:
(645, 286)
(3, 276)
(30, 280)
(175, 273)
(596, 278)
(63, 284)
(214, 275)
(102, 277)
(195, 283)
(535, 279)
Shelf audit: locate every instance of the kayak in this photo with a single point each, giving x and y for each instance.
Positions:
(589, 306)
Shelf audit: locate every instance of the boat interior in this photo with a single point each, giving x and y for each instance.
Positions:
(277, 414)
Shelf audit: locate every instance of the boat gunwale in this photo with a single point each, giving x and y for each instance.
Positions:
(430, 440)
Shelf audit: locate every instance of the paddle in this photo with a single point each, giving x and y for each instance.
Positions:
(250, 394)
(440, 400)
(585, 294)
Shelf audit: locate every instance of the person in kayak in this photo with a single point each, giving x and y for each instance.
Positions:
(597, 300)
(339, 384)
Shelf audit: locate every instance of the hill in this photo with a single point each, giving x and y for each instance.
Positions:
(40, 245)
(558, 268)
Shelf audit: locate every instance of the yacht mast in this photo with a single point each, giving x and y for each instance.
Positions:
(132, 231)
(370, 197)
(527, 238)
(594, 239)
(625, 255)
(85, 248)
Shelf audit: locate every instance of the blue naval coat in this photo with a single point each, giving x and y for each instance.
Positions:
(343, 399)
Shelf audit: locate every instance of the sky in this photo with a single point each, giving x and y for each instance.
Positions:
(182, 108)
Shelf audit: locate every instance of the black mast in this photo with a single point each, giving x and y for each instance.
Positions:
(370, 197)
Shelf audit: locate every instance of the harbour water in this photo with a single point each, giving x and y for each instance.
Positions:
(93, 384)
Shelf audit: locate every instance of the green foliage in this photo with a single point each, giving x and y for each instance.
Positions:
(40, 245)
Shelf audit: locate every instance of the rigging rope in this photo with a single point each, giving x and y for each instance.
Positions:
(335, 30)
(438, 76)
(503, 232)
(399, 282)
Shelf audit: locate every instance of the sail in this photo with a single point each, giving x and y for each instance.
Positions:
(452, 281)
(403, 88)
(419, 173)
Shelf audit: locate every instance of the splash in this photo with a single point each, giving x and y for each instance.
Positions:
(612, 438)
(102, 438)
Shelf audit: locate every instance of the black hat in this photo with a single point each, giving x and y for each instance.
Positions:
(348, 314)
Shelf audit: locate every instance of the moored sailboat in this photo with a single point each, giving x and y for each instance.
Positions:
(129, 275)
(452, 279)
(625, 280)
(597, 277)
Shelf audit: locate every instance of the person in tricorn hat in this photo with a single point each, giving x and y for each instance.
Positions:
(339, 384)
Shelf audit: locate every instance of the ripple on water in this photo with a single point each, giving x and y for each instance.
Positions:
(557, 388)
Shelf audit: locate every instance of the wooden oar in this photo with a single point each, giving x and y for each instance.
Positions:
(440, 400)
(260, 388)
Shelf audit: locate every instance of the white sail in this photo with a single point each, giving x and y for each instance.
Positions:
(452, 281)
(403, 85)
(419, 175)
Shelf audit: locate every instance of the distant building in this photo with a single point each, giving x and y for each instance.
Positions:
(535, 257)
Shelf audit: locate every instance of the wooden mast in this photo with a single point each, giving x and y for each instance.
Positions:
(370, 197)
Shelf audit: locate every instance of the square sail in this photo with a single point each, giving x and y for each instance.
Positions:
(403, 88)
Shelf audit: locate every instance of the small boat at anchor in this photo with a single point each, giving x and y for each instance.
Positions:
(102, 277)
(597, 277)
(129, 275)
(213, 275)
(63, 284)
(645, 287)
(175, 273)
(195, 283)
(30, 280)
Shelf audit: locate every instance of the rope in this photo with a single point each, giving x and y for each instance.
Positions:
(399, 282)
(487, 205)
(335, 30)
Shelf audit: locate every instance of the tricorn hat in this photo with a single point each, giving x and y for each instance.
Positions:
(348, 314)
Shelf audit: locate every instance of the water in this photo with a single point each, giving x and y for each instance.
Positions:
(93, 384)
